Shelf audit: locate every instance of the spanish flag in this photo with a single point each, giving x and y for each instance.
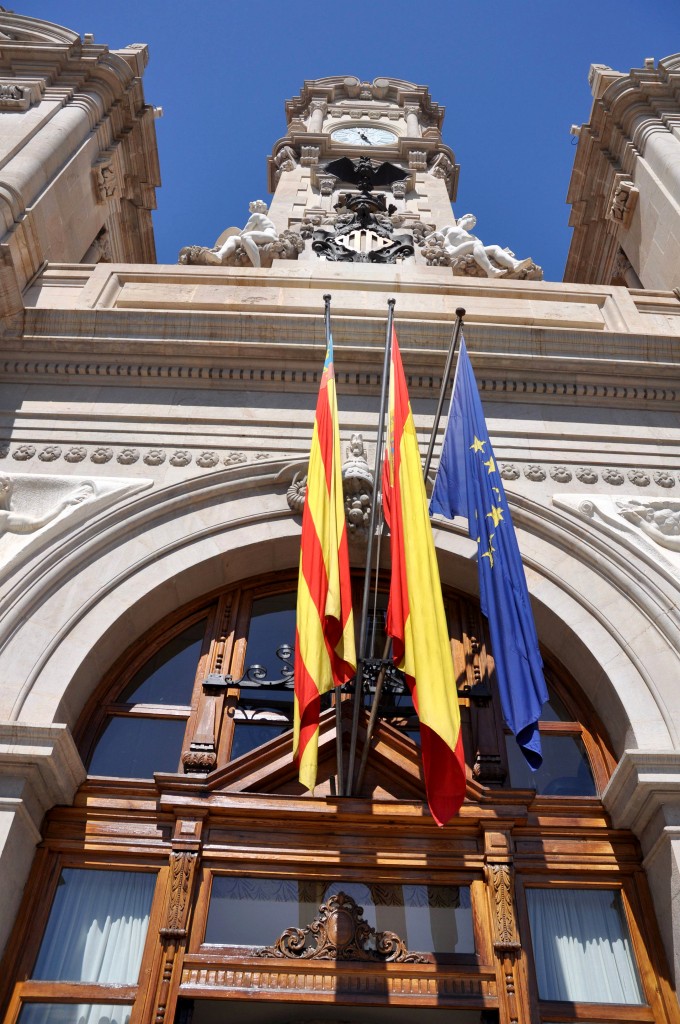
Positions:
(416, 620)
(324, 641)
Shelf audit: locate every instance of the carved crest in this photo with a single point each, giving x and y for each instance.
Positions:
(339, 932)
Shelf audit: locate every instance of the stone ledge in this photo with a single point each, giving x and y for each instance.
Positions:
(646, 783)
(46, 759)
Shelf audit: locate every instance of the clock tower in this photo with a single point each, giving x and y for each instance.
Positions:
(336, 126)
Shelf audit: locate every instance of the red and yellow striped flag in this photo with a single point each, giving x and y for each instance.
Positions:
(325, 655)
(416, 620)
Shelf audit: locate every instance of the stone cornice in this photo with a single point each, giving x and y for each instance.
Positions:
(394, 90)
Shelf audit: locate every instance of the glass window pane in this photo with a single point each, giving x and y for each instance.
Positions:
(168, 677)
(255, 911)
(581, 946)
(272, 625)
(249, 734)
(565, 770)
(97, 927)
(132, 747)
(554, 710)
(70, 1013)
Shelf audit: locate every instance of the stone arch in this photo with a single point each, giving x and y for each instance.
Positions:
(97, 590)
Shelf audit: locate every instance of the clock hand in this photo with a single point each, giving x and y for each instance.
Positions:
(364, 136)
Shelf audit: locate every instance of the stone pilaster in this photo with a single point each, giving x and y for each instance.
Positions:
(643, 795)
(39, 767)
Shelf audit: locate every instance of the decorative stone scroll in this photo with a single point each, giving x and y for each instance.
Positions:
(339, 932)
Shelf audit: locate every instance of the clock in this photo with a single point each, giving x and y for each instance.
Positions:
(363, 136)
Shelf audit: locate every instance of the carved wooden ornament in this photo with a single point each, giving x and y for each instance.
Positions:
(339, 932)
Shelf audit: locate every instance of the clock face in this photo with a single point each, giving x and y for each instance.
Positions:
(363, 136)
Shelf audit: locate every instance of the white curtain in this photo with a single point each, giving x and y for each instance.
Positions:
(63, 1013)
(581, 946)
(95, 933)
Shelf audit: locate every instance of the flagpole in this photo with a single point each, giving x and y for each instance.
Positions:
(377, 476)
(337, 695)
(460, 313)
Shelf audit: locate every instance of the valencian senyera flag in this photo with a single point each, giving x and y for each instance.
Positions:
(416, 620)
(324, 640)
(469, 484)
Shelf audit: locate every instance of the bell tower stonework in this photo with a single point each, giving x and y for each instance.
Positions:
(388, 120)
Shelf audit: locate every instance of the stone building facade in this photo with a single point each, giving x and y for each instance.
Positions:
(156, 423)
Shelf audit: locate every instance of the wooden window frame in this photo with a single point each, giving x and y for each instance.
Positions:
(31, 927)
(644, 946)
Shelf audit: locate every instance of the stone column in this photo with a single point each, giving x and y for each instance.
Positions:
(317, 109)
(39, 767)
(412, 123)
(643, 795)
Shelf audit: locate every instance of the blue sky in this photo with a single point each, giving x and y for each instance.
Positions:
(512, 76)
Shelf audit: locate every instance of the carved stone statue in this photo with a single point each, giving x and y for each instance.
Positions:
(259, 230)
(456, 246)
(12, 521)
(257, 244)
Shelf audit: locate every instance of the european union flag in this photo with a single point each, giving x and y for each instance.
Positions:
(469, 484)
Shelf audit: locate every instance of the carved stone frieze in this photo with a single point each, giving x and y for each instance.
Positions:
(659, 520)
(339, 932)
(270, 377)
(649, 527)
(31, 512)
(128, 456)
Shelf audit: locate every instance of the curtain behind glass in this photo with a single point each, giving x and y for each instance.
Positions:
(581, 946)
(97, 927)
(68, 1013)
